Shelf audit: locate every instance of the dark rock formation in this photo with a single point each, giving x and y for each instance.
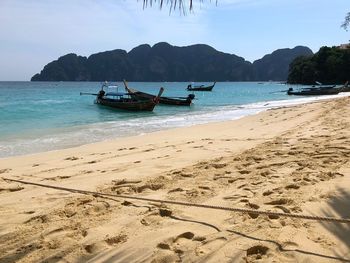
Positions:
(275, 66)
(164, 62)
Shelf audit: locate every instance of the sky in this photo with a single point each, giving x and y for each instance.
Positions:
(36, 32)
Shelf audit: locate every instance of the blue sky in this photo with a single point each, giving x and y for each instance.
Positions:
(33, 33)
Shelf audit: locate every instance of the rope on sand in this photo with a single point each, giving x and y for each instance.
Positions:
(232, 209)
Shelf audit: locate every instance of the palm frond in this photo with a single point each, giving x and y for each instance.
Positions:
(174, 4)
(346, 22)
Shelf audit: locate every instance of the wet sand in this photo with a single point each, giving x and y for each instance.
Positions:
(290, 160)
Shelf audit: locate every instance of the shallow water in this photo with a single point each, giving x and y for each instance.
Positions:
(42, 116)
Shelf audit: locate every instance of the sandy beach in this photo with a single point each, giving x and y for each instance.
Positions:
(290, 160)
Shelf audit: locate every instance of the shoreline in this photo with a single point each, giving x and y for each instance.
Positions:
(291, 159)
(154, 133)
(258, 108)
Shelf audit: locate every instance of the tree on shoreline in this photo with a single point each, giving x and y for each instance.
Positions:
(330, 65)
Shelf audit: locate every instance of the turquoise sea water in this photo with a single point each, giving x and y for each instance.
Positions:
(42, 116)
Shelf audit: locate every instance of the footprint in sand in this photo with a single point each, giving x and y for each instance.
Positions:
(147, 186)
(268, 192)
(57, 178)
(178, 243)
(148, 150)
(11, 188)
(118, 239)
(257, 251)
(235, 197)
(94, 161)
(94, 248)
(183, 174)
(244, 172)
(241, 186)
(37, 219)
(165, 156)
(86, 172)
(252, 205)
(292, 186)
(121, 149)
(61, 177)
(186, 235)
(281, 201)
(175, 190)
(210, 246)
(4, 170)
(219, 165)
(196, 147)
(153, 217)
(72, 158)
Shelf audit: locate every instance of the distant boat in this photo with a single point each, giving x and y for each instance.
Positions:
(200, 88)
(124, 101)
(179, 101)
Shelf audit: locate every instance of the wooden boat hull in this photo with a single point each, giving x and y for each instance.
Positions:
(185, 101)
(201, 88)
(127, 104)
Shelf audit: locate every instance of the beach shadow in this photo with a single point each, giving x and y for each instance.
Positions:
(280, 247)
(18, 253)
(143, 255)
(340, 207)
(126, 255)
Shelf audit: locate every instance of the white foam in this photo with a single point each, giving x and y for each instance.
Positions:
(79, 135)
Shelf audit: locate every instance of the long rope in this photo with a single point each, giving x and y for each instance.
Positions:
(232, 209)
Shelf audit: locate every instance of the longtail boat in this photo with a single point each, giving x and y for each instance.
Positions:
(124, 101)
(313, 91)
(200, 88)
(179, 101)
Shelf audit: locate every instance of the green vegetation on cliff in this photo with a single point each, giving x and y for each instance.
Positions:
(330, 65)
